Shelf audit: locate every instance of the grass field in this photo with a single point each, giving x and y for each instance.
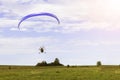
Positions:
(59, 73)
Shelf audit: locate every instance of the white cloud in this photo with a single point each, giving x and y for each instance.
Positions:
(7, 23)
(96, 14)
(23, 45)
(104, 11)
(40, 7)
(78, 44)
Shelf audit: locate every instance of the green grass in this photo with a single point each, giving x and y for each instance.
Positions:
(59, 73)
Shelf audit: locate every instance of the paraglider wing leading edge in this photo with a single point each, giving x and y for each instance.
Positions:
(39, 14)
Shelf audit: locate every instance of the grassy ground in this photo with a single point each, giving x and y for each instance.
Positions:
(59, 73)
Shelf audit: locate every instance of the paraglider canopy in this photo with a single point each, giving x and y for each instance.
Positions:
(39, 14)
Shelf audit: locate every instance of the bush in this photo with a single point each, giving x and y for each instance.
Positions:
(99, 63)
(68, 66)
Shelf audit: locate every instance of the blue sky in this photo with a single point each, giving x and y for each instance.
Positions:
(89, 32)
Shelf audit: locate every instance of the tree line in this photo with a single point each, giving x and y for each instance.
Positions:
(56, 62)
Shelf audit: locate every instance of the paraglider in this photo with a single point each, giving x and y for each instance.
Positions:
(39, 14)
(42, 50)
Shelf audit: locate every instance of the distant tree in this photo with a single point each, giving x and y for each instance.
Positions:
(43, 63)
(68, 66)
(99, 63)
(56, 61)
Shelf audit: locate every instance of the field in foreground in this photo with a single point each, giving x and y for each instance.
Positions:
(59, 73)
